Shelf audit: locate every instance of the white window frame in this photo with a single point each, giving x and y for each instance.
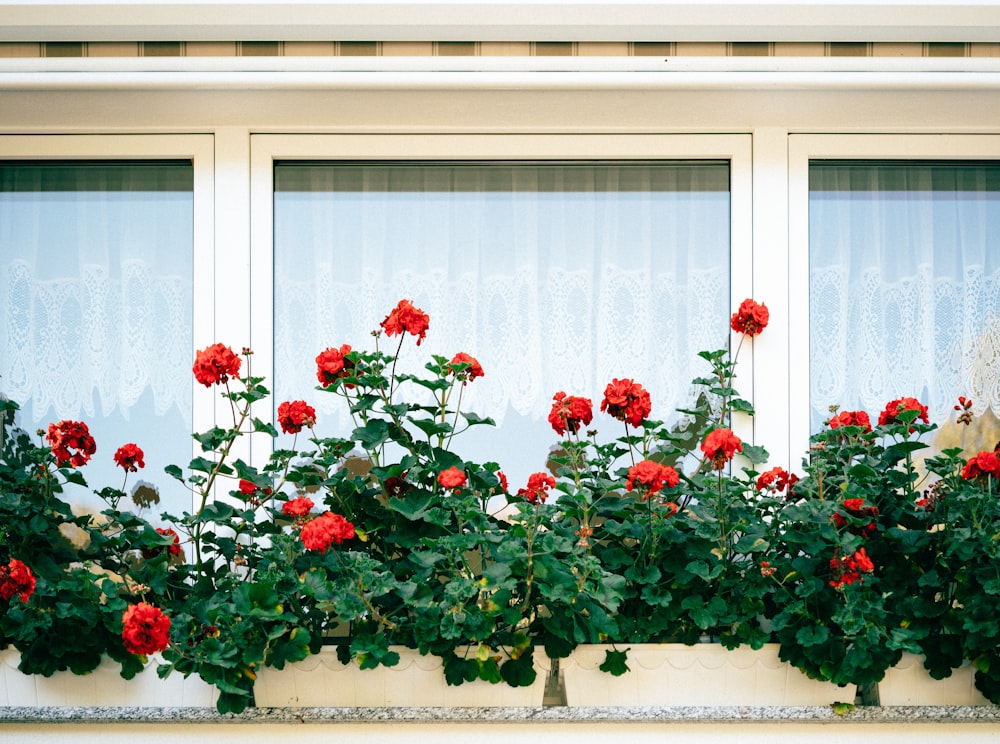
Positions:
(802, 148)
(199, 149)
(265, 149)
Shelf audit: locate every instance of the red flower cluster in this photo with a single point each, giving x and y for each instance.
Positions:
(452, 478)
(71, 443)
(16, 579)
(471, 372)
(984, 464)
(776, 479)
(129, 458)
(146, 629)
(964, 409)
(895, 407)
(856, 509)
(297, 507)
(537, 490)
(332, 364)
(751, 318)
(851, 418)
(293, 415)
(215, 364)
(406, 317)
(652, 476)
(720, 446)
(569, 413)
(848, 569)
(325, 530)
(627, 401)
(173, 549)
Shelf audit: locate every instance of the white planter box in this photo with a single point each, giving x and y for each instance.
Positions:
(418, 681)
(908, 683)
(102, 687)
(701, 675)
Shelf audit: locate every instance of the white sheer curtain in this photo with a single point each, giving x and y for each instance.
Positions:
(95, 303)
(904, 285)
(556, 277)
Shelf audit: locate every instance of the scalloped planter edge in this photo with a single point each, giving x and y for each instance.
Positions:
(102, 687)
(706, 674)
(909, 683)
(321, 680)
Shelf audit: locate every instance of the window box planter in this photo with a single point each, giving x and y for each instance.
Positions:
(908, 683)
(701, 675)
(321, 680)
(102, 687)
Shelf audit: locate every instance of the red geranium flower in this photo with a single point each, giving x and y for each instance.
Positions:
(129, 457)
(332, 364)
(569, 412)
(406, 317)
(895, 407)
(856, 509)
(751, 318)
(293, 415)
(627, 401)
(16, 579)
(845, 570)
(652, 476)
(146, 629)
(537, 490)
(984, 464)
(71, 443)
(720, 446)
(215, 364)
(297, 507)
(851, 418)
(776, 479)
(325, 530)
(452, 478)
(471, 372)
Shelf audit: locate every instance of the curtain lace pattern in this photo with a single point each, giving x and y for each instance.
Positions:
(92, 345)
(904, 286)
(554, 278)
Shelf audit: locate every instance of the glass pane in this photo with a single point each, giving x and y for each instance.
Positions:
(556, 277)
(904, 287)
(95, 307)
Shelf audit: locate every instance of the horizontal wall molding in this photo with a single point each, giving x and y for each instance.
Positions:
(381, 73)
(489, 20)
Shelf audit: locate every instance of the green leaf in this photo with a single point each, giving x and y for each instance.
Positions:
(812, 636)
(202, 464)
(614, 662)
(265, 427)
(372, 434)
(432, 428)
(757, 455)
(474, 419)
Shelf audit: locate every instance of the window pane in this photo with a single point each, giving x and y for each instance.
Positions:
(556, 277)
(904, 285)
(95, 306)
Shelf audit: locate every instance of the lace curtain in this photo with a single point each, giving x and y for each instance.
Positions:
(95, 302)
(904, 286)
(556, 277)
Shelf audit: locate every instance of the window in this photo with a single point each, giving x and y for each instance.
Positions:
(904, 285)
(556, 275)
(96, 305)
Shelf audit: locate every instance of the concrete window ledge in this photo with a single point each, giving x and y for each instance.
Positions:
(542, 716)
